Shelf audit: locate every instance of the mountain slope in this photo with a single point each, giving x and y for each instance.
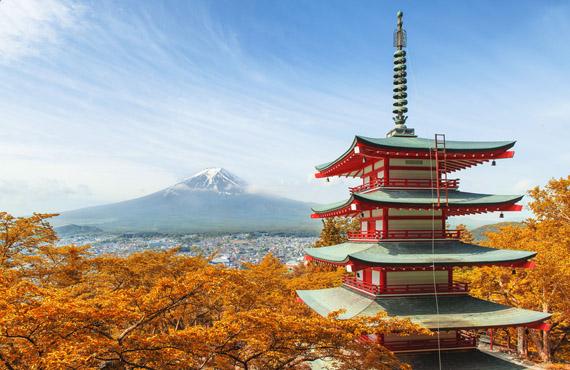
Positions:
(213, 200)
(479, 233)
(72, 229)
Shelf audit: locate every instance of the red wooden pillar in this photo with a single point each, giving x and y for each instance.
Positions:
(385, 222)
(367, 278)
(386, 170)
(450, 276)
(382, 280)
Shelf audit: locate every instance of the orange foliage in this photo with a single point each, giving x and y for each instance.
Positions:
(61, 307)
(546, 287)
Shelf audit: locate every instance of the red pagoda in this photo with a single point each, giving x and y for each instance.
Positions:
(403, 258)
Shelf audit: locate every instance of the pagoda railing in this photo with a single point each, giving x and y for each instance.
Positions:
(403, 289)
(461, 341)
(406, 183)
(375, 235)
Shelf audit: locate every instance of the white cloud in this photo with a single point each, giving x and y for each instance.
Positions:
(28, 24)
(142, 97)
(14, 193)
(524, 185)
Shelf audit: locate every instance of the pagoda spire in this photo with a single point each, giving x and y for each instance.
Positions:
(400, 83)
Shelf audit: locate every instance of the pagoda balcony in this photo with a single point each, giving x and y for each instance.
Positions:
(463, 340)
(404, 289)
(377, 235)
(406, 183)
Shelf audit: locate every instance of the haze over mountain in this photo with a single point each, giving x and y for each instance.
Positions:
(213, 200)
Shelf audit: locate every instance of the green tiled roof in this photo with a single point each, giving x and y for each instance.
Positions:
(447, 252)
(472, 359)
(467, 359)
(420, 197)
(325, 301)
(457, 311)
(422, 144)
(331, 206)
(419, 143)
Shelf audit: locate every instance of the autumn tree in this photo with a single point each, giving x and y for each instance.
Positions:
(547, 286)
(335, 230)
(22, 236)
(65, 308)
(466, 235)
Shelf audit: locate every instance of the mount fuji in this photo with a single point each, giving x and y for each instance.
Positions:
(213, 200)
(216, 180)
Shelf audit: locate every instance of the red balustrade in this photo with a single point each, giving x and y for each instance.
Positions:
(364, 235)
(353, 282)
(462, 341)
(454, 287)
(406, 183)
(403, 289)
(403, 234)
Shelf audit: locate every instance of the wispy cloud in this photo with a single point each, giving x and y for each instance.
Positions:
(21, 194)
(130, 97)
(28, 25)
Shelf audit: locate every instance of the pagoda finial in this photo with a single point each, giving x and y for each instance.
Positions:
(400, 95)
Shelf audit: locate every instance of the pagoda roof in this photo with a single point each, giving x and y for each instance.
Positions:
(417, 253)
(418, 144)
(418, 198)
(471, 359)
(455, 311)
(464, 359)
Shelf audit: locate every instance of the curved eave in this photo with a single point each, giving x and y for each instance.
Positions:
(324, 166)
(453, 312)
(456, 198)
(422, 144)
(414, 253)
(333, 209)
(420, 199)
(467, 153)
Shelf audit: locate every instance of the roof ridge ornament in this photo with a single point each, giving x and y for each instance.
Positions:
(400, 83)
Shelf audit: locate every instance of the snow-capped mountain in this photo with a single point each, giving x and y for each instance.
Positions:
(211, 179)
(212, 200)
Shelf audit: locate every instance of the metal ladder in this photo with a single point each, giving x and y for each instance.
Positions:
(441, 169)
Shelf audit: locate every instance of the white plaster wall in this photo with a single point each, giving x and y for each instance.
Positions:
(408, 174)
(414, 212)
(414, 224)
(415, 277)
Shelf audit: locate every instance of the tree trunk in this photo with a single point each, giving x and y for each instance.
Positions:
(522, 348)
(541, 344)
(545, 346)
(545, 355)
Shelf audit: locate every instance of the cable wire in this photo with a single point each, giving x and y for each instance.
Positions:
(433, 253)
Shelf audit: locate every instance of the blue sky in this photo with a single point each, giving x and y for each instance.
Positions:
(104, 101)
